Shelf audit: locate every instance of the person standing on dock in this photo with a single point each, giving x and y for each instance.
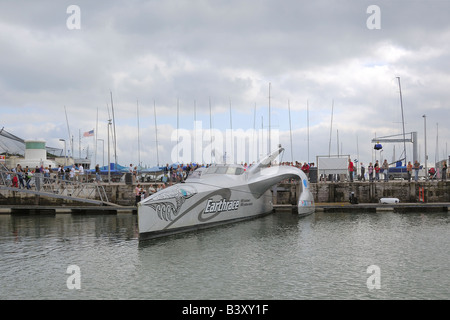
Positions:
(416, 170)
(444, 171)
(370, 171)
(81, 173)
(363, 172)
(97, 173)
(385, 167)
(409, 170)
(305, 169)
(350, 169)
(28, 177)
(72, 173)
(20, 176)
(377, 170)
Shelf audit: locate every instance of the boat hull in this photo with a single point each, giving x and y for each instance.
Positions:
(188, 207)
(218, 195)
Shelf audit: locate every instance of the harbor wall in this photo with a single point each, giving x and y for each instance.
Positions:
(369, 192)
(323, 192)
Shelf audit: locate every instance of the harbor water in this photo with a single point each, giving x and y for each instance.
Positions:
(280, 256)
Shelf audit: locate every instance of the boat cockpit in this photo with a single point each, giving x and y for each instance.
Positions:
(218, 169)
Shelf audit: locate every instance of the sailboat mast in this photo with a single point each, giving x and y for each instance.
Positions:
(139, 142)
(307, 124)
(68, 130)
(210, 129)
(178, 125)
(156, 133)
(95, 137)
(255, 146)
(403, 119)
(109, 151)
(290, 131)
(114, 125)
(436, 154)
(270, 149)
(195, 132)
(231, 134)
(331, 128)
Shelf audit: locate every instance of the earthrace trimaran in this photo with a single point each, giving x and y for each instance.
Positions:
(219, 194)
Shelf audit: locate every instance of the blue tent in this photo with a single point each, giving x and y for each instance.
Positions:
(114, 169)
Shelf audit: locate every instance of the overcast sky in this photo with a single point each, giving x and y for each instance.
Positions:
(224, 55)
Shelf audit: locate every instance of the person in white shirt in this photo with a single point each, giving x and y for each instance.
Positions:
(81, 170)
(72, 172)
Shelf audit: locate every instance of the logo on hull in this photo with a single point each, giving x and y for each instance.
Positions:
(221, 205)
(167, 210)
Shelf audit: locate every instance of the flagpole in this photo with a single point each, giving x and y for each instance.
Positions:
(139, 143)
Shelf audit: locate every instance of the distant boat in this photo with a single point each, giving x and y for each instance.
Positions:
(219, 194)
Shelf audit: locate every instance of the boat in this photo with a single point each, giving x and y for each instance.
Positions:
(219, 194)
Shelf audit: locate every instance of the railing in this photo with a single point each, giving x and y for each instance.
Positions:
(57, 186)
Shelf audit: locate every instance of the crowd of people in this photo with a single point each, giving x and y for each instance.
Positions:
(374, 171)
(24, 177)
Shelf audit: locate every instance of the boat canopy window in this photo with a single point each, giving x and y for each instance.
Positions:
(196, 174)
(231, 170)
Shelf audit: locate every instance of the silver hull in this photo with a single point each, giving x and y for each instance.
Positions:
(195, 206)
(219, 195)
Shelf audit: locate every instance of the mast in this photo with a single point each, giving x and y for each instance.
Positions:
(195, 132)
(178, 125)
(269, 122)
(262, 138)
(255, 151)
(68, 130)
(331, 128)
(114, 135)
(337, 141)
(436, 154)
(109, 156)
(156, 133)
(403, 119)
(357, 153)
(95, 137)
(231, 134)
(307, 123)
(139, 143)
(425, 138)
(210, 129)
(290, 131)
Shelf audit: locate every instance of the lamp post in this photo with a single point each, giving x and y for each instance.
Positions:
(65, 155)
(425, 137)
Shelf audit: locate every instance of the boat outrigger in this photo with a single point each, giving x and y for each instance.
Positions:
(219, 194)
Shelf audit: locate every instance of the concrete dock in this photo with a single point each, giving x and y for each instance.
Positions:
(321, 207)
(53, 210)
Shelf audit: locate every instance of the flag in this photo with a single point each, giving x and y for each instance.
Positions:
(89, 133)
